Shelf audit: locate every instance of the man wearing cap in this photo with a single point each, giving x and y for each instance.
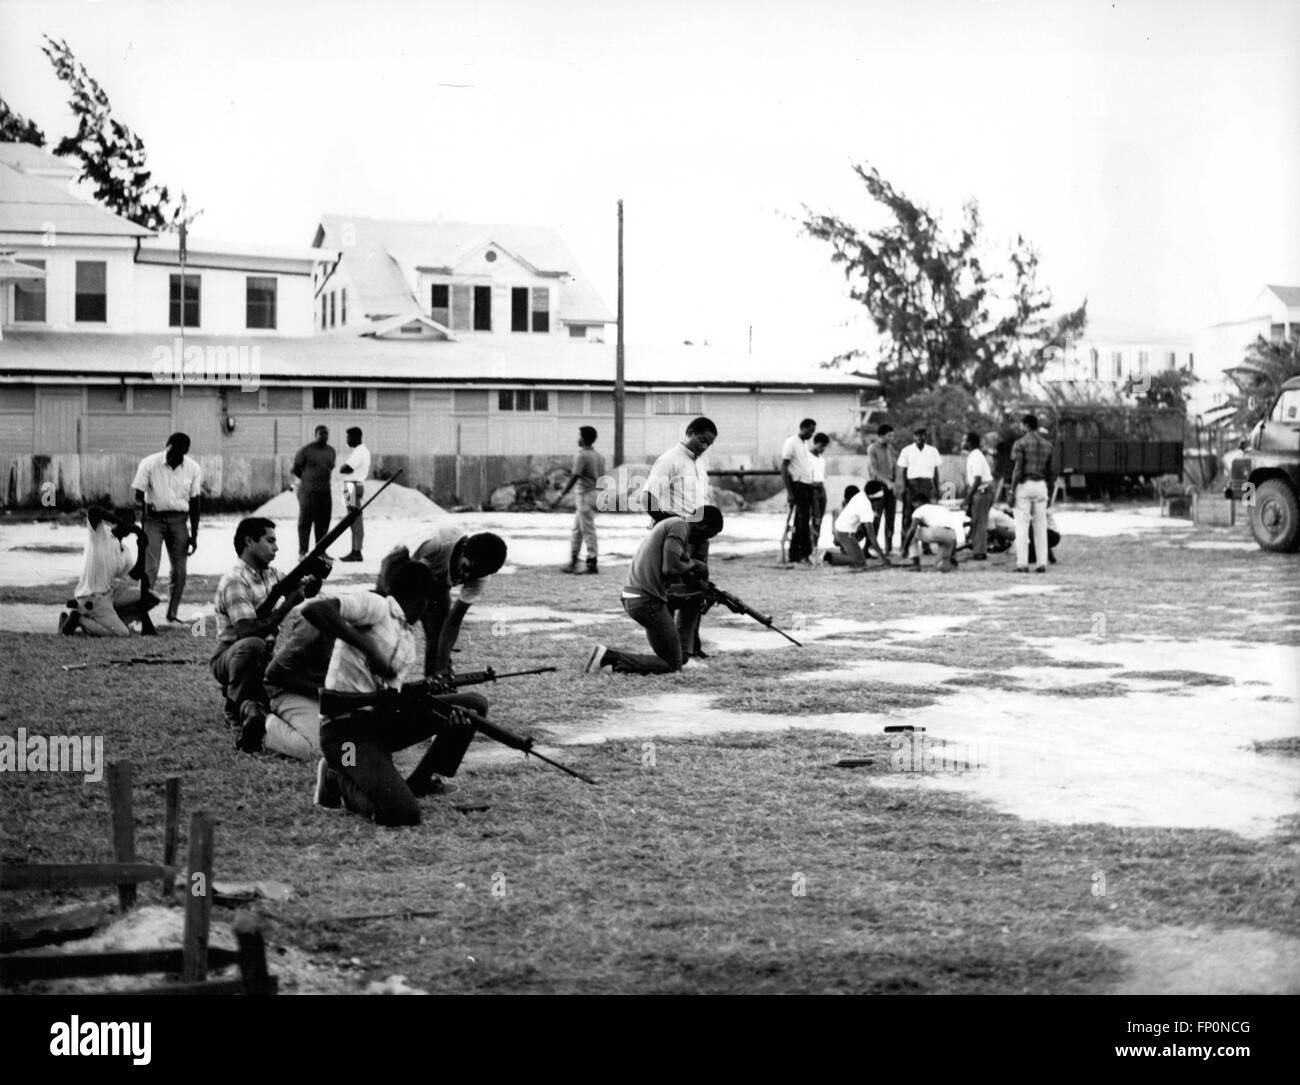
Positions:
(168, 486)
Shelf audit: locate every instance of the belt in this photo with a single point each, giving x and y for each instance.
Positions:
(155, 513)
(1033, 478)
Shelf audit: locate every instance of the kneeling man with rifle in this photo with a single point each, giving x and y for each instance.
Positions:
(661, 561)
(372, 704)
(247, 620)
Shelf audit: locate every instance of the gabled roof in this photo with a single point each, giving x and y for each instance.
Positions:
(29, 205)
(382, 256)
(1287, 295)
(32, 159)
(493, 360)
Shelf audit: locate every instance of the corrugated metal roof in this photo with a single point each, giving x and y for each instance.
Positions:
(27, 156)
(382, 257)
(490, 359)
(29, 205)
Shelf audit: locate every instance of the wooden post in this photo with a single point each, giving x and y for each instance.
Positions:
(171, 829)
(619, 392)
(198, 899)
(123, 822)
(252, 955)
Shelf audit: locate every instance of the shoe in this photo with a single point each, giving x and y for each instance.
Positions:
(597, 659)
(1051, 558)
(254, 728)
(1021, 569)
(327, 796)
(436, 786)
(826, 558)
(1041, 569)
(354, 556)
(572, 567)
(232, 716)
(591, 567)
(71, 604)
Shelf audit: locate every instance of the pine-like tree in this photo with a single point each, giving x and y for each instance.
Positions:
(15, 128)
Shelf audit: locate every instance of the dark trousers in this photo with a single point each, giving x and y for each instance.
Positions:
(887, 509)
(916, 492)
(980, 503)
(800, 547)
(663, 635)
(170, 529)
(359, 749)
(852, 552)
(313, 512)
(240, 668)
(816, 514)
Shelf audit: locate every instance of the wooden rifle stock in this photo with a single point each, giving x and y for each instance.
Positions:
(288, 584)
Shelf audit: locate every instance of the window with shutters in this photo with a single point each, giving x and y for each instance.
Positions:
(343, 305)
(482, 308)
(332, 308)
(530, 309)
(440, 303)
(1116, 364)
(29, 296)
(461, 306)
(92, 292)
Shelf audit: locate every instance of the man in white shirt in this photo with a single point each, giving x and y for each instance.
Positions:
(106, 601)
(356, 473)
(918, 470)
(858, 512)
(797, 473)
(945, 528)
(375, 657)
(979, 496)
(678, 483)
(168, 486)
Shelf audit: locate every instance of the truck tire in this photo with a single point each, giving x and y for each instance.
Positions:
(1275, 516)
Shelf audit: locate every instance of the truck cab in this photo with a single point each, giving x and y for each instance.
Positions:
(1266, 477)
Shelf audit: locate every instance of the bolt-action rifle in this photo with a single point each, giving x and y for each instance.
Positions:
(315, 563)
(713, 594)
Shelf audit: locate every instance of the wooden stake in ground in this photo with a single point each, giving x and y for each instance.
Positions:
(123, 822)
(252, 955)
(198, 899)
(171, 830)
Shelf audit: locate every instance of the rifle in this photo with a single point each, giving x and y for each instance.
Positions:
(130, 662)
(714, 594)
(333, 703)
(475, 678)
(288, 584)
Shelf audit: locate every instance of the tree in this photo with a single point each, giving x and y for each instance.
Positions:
(945, 314)
(112, 156)
(1168, 388)
(1259, 377)
(948, 412)
(15, 128)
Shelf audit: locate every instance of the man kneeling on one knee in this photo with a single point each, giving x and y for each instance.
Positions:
(858, 513)
(243, 639)
(373, 703)
(662, 559)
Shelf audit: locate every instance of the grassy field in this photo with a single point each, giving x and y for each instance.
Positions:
(718, 863)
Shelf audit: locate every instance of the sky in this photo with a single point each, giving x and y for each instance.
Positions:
(1149, 150)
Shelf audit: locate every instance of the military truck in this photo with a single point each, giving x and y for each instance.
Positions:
(1266, 476)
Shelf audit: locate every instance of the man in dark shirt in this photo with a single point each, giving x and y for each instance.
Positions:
(313, 467)
(588, 467)
(662, 559)
(1032, 477)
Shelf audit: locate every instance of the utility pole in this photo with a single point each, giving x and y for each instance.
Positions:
(618, 353)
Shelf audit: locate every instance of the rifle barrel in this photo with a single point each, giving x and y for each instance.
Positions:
(563, 768)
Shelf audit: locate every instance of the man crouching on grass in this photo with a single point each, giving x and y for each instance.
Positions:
(660, 560)
(366, 712)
